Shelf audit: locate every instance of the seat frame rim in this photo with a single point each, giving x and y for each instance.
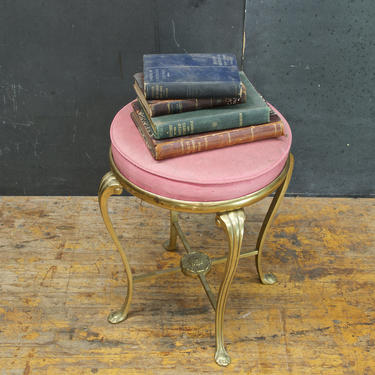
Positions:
(200, 207)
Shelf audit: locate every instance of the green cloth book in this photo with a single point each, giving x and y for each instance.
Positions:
(254, 111)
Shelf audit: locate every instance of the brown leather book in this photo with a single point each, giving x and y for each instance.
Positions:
(189, 144)
(156, 108)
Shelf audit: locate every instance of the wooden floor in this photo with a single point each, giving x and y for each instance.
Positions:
(60, 277)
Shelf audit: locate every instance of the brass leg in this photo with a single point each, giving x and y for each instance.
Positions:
(233, 224)
(269, 278)
(170, 244)
(109, 186)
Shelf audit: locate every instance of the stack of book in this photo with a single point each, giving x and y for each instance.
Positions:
(189, 103)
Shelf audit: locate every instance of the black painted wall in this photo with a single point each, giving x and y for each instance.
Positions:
(66, 68)
(315, 61)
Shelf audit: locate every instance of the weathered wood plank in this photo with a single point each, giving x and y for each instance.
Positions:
(60, 276)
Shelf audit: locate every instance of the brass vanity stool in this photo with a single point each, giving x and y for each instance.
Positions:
(220, 181)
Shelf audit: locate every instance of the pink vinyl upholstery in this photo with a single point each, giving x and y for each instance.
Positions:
(214, 175)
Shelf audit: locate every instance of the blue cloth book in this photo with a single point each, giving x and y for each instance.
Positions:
(191, 75)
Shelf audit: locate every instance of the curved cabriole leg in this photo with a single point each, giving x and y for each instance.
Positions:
(233, 224)
(109, 186)
(269, 278)
(170, 245)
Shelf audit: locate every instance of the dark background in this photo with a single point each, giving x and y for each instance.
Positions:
(66, 68)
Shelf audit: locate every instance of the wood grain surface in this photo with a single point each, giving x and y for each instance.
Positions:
(60, 277)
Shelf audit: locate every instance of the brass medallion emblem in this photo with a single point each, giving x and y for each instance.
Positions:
(195, 263)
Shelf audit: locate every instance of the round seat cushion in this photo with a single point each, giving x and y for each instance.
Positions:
(215, 175)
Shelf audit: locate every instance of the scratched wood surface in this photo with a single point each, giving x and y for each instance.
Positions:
(60, 276)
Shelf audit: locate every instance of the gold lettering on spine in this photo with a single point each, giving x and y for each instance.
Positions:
(179, 128)
(170, 130)
(193, 145)
(196, 103)
(252, 133)
(241, 118)
(184, 128)
(191, 127)
(169, 107)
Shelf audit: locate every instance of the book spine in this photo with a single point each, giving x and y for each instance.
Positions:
(145, 135)
(199, 124)
(209, 89)
(168, 107)
(194, 59)
(206, 142)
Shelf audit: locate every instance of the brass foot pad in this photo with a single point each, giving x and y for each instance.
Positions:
(222, 358)
(168, 247)
(193, 264)
(116, 317)
(269, 279)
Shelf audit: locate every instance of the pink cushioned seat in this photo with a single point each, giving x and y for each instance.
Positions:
(214, 175)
